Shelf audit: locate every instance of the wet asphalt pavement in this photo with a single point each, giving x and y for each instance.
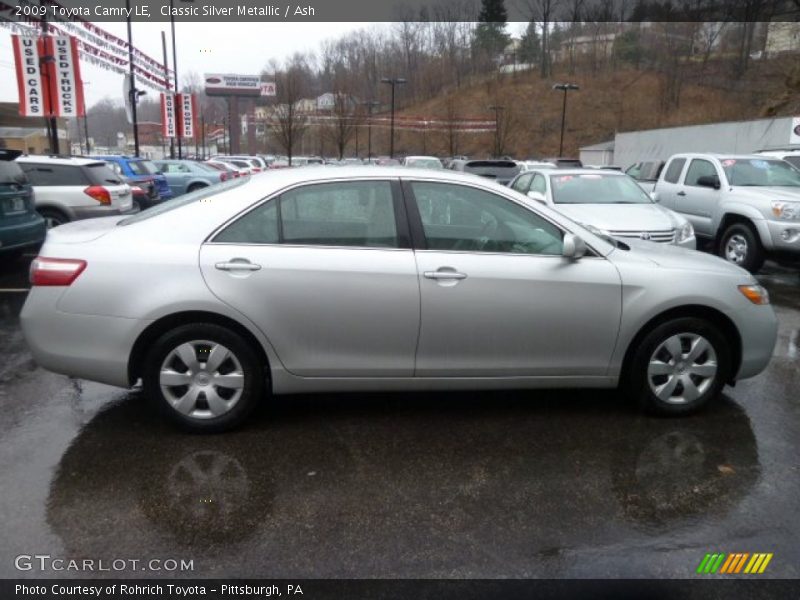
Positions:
(511, 484)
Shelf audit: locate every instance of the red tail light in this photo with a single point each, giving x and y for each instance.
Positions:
(223, 176)
(55, 271)
(256, 170)
(99, 193)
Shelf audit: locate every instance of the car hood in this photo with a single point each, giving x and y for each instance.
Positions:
(788, 194)
(84, 230)
(676, 257)
(622, 217)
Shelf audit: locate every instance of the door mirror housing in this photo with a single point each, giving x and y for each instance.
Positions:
(538, 196)
(574, 247)
(710, 181)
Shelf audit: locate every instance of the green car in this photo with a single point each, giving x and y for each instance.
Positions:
(21, 227)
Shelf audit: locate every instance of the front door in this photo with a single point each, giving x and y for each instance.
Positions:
(498, 299)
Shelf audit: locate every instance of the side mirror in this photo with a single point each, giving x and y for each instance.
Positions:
(653, 196)
(710, 181)
(538, 196)
(574, 247)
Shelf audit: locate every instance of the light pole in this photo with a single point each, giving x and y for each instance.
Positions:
(133, 93)
(392, 81)
(565, 87)
(370, 104)
(497, 110)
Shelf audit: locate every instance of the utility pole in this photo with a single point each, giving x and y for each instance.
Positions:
(564, 87)
(370, 104)
(51, 124)
(392, 81)
(174, 62)
(133, 93)
(166, 80)
(497, 109)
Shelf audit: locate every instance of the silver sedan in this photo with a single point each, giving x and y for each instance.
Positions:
(373, 279)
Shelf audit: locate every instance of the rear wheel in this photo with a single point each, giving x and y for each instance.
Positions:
(196, 186)
(203, 377)
(741, 246)
(679, 366)
(53, 217)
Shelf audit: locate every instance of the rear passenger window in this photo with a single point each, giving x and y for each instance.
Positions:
(52, 175)
(340, 214)
(259, 226)
(699, 168)
(522, 183)
(673, 173)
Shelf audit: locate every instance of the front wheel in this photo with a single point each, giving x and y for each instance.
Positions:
(741, 246)
(679, 366)
(204, 377)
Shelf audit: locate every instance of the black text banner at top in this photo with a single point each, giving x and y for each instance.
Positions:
(552, 11)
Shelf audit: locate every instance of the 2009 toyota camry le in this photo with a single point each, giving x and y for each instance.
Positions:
(373, 279)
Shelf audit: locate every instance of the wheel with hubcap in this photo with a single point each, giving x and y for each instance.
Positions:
(741, 246)
(679, 366)
(204, 377)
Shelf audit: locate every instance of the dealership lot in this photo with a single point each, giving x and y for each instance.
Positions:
(511, 484)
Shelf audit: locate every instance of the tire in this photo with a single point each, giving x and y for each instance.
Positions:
(200, 405)
(53, 217)
(679, 387)
(194, 187)
(740, 245)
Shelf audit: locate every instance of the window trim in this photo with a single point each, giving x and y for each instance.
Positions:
(681, 172)
(401, 222)
(418, 231)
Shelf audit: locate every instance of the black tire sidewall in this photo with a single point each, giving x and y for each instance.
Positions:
(755, 253)
(252, 392)
(52, 213)
(638, 385)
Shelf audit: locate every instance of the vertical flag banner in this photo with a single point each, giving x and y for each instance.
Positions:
(187, 116)
(169, 122)
(34, 99)
(65, 76)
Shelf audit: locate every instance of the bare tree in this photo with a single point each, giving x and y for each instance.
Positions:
(344, 120)
(286, 122)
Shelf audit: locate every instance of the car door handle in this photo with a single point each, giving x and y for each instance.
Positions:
(237, 265)
(443, 275)
(681, 193)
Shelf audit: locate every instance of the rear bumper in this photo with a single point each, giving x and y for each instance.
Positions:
(86, 346)
(22, 235)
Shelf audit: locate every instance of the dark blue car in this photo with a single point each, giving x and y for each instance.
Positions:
(21, 227)
(140, 170)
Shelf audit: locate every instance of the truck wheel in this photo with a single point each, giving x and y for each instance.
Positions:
(741, 246)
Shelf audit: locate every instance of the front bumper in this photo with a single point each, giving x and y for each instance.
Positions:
(758, 328)
(785, 236)
(690, 243)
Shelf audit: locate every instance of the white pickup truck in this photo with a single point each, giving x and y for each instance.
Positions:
(748, 205)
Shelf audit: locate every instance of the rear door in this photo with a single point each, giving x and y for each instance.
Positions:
(327, 272)
(669, 186)
(498, 299)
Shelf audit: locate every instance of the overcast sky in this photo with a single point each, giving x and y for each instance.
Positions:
(202, 47)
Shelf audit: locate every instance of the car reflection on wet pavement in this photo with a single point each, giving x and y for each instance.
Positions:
(503, 484)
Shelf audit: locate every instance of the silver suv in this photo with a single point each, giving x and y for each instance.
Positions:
(68, 189)
(748, 205)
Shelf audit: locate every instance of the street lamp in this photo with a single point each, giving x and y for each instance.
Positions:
(565, 87)
(370, 104)
(497, 110)
(392, 81)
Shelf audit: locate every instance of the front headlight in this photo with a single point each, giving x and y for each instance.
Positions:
(685, 232)
(755, 293)
(786, 211)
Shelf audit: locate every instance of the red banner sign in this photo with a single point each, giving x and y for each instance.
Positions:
(169, 116)
(56, 90)
(187, 115)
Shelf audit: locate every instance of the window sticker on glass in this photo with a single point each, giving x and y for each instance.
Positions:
(591, 176)
(760, 164)
(728, 162)
(563, 178)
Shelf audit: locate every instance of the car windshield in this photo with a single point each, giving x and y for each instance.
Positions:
(424, 163)
(183, 200)
(143, 167)
(756, 172)
(596, 188)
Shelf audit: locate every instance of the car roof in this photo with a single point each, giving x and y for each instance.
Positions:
(576, 171)
(719, 156)
(423, 157)
(75, 161)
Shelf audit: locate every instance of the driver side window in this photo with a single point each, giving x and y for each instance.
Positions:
(462, 218)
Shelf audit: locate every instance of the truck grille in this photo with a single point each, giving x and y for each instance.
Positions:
(663, 236)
